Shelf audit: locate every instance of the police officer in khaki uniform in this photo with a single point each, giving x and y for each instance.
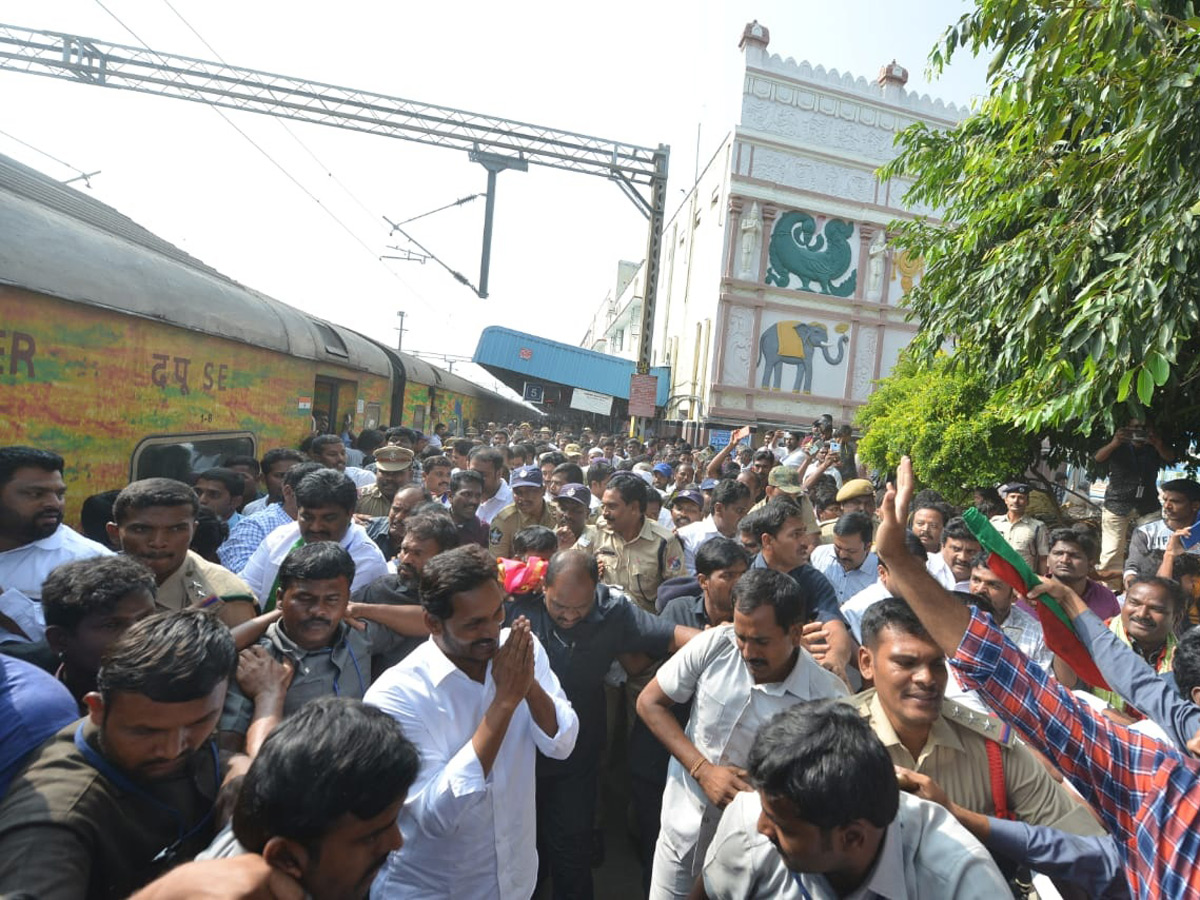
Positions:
(393, 470)
(529, 507)
(856, 495)
(153, 522)
(1027, 535)
(954, 745)
(634, 554)
(199, 582)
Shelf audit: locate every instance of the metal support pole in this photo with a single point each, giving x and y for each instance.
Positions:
(494, 163)
(652, 267)
(486, 259)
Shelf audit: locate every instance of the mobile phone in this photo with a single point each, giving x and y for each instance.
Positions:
(1192, 538)
(835, 446)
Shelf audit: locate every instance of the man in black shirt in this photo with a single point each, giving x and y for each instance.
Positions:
(425, 536)
(466, 493)
(583, 625)
(1133, 456)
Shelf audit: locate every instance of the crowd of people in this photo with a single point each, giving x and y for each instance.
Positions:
(411, 666)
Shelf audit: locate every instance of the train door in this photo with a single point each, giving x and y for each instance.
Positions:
(325, 405)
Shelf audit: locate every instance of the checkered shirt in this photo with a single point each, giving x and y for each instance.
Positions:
(1147, 793)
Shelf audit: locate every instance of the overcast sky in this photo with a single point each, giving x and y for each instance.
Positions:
(642, 72)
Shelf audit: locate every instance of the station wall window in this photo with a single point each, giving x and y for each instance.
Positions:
(179, 456)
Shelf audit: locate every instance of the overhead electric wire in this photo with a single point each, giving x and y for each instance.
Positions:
(282, 124)
(275, 163)
(82, 174)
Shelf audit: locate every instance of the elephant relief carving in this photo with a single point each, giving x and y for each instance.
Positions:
(797, 343)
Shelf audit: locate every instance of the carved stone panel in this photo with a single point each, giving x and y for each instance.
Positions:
(864, 363)
(815, 175)
(813, 254)
(738, 343)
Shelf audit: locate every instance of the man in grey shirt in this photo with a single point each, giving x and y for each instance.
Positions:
(328, 657)
(828, 820)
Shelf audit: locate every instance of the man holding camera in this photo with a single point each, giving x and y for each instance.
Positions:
(1133, 456)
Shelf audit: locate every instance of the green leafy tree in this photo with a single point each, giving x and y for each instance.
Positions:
(1065, 269)
(945, 420)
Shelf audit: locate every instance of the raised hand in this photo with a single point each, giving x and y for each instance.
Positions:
(889, 539)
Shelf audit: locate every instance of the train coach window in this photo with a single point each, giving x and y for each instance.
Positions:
(178, 456)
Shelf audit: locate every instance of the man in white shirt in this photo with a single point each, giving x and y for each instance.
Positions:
(329, 451)
(737, 678)
(325, 503)
(440, 431)
(731, 501)
(489, 462)
(951, 567)
(33, 539)
(848, 563)
(478, 702)
(828, 801)
(854, 608)
(793, 454)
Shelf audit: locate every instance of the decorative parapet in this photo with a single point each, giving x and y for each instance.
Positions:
(920, 106)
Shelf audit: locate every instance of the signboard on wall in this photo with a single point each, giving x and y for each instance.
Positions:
(591, 401)
(719, 438)
(643, 392)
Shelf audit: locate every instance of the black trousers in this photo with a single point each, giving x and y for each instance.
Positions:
(566, 814)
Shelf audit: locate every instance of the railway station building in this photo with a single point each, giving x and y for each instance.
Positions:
(779, 298)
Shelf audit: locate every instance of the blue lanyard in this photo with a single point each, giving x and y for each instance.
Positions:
(337, 691)
(800, 884)
(101, 765)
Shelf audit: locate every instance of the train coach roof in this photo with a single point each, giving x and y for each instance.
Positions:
(60, 242)
(420, 371)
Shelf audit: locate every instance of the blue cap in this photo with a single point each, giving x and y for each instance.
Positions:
(526, 476)
(708, 484)
(663, 469)
(689, 494)
(576, 492)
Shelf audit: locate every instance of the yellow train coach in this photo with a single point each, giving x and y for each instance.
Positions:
(131, 358)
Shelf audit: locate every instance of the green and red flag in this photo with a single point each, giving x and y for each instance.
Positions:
(1011, 568)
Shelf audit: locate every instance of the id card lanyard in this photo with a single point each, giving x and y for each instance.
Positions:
(124, 783)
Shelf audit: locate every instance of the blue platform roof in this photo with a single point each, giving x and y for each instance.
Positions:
(514, 357)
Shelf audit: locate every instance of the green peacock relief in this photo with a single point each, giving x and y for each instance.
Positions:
(816, 259)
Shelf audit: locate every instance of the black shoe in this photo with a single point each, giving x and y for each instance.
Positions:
(597, 848)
